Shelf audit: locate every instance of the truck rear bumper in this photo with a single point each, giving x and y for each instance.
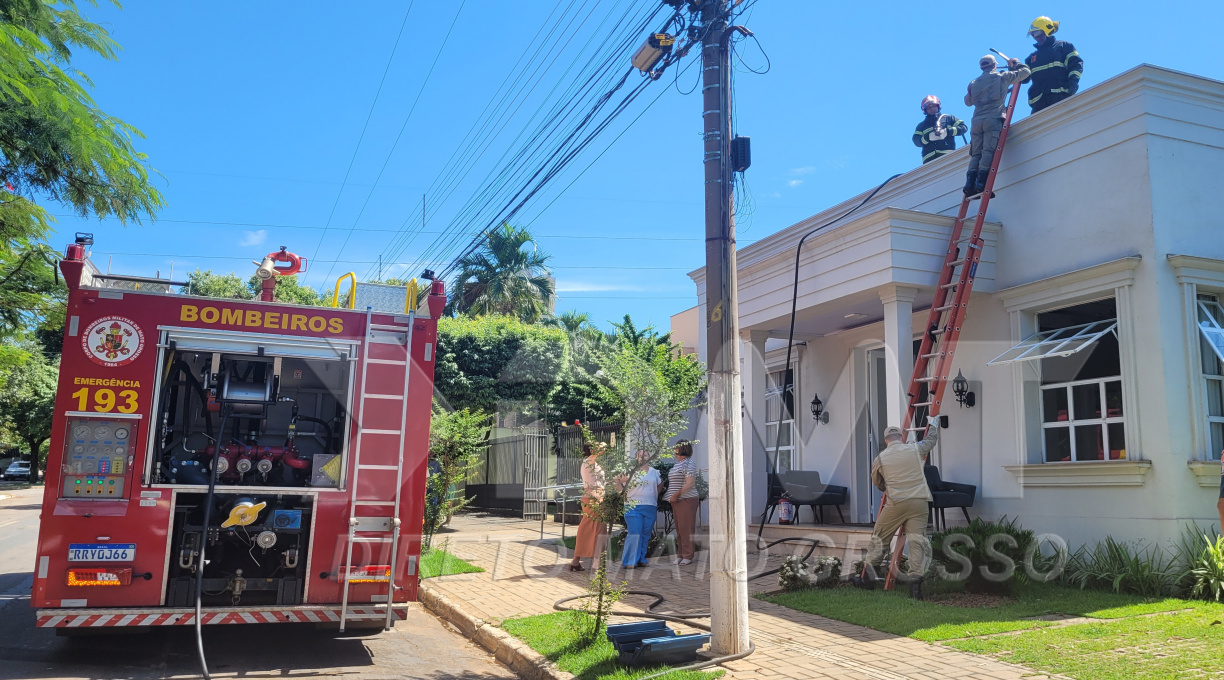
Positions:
(163, 616)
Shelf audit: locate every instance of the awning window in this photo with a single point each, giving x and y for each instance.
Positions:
(1210, 313)
(1061, 342)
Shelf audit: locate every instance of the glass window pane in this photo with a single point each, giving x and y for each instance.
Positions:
(1217, 439)
(1054, 405)
(785, 464)
(784, 435)
(1088, 443)
(1215, 397)
(1117, 441)
(1057, 444)
(1087, 400)
(1214, 337)
(1113, 399)
(771, 436)
(773, 408)
(1208, 358)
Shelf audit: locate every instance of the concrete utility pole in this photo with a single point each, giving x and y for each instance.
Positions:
(728, 520)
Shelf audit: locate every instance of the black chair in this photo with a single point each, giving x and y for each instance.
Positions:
(947, 495)
(804, 487)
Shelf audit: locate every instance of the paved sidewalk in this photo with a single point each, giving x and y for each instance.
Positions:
(525, 575)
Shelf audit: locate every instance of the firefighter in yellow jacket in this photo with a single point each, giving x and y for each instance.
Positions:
(897, 472)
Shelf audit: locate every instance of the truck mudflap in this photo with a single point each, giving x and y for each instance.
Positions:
(100, 618)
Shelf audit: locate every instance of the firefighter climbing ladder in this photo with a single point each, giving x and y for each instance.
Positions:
(943, 328)
(381, 529)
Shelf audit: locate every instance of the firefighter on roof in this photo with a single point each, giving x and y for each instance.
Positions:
(1056, 66)
(988, 96)
(936, 134)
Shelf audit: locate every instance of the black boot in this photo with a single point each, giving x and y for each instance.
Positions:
(970, 182)
(979, 184)
(916, 588)
(868, 583)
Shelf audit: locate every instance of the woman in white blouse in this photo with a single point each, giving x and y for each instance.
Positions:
(641, 506)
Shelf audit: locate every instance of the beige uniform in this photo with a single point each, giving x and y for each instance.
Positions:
(897, 472)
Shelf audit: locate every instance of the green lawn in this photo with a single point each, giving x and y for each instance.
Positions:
(1183, 645)
(557, 636)
(894, 612)
(439, 562)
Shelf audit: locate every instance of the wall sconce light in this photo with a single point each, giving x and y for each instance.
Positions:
(818, 412)
(960, 387)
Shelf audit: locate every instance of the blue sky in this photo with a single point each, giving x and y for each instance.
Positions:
(252, 112)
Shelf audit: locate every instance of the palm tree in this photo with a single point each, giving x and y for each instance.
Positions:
(503, 277)
(578, 326)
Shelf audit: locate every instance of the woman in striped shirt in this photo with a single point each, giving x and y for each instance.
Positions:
(682, 494)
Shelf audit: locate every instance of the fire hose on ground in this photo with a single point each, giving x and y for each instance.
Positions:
(674, 617)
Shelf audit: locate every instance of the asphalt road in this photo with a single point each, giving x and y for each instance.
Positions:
(421, 647)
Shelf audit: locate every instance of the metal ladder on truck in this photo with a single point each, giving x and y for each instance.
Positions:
(942, 331)
(377, 530)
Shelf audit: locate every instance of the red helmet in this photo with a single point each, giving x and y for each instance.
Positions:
(930, 100)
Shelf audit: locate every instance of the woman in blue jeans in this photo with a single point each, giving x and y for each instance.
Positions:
(641, 506)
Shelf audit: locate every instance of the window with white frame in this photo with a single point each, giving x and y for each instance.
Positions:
(780, 421)
(1081, 406)
(1211, 354)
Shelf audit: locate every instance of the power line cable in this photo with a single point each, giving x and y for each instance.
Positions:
(398, 136)
(366, 124)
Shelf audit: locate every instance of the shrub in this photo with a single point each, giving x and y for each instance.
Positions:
(987, 556)
(1119, 567)
(795, 574)
(881, 567)
(488, 360)
(1205, 569)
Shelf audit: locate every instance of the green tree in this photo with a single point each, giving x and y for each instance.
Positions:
(504, 276)
(27, 403)
(581, 394)
(31, 294)
(56, 144)
(491, 361)
(456, 440)
(207, 284)
(289, 290)
(54, 141)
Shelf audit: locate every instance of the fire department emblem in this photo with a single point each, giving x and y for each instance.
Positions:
(113, 341)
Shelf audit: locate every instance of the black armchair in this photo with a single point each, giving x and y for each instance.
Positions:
(804, 487)
(947, 495)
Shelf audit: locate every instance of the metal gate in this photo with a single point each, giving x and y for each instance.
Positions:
(499, 482)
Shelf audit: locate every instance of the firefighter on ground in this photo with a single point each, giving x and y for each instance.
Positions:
(936, 134)
(898, 472)
(1055, 64)
(988, 96)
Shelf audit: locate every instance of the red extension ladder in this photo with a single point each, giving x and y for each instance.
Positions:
(943, 328)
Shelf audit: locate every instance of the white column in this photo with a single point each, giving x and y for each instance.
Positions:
(898, 346)
(753, 371)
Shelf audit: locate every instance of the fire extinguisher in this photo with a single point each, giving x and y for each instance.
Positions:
(786, 511)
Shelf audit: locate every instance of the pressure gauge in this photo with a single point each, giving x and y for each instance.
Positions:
(121, 433)
(102, 431)
(81, 431)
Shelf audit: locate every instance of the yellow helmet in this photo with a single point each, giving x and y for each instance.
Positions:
(1045, 25)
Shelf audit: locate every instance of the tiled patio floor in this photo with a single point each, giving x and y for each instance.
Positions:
(525, 575)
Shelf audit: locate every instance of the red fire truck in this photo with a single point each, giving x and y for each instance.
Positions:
(269, 459)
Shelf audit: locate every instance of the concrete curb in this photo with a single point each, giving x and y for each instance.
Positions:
(523, 660)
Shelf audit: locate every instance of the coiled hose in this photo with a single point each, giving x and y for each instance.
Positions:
(674, 617)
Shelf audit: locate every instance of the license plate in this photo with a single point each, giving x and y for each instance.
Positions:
(101, 552)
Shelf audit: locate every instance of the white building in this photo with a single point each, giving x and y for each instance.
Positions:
(1108, 208)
